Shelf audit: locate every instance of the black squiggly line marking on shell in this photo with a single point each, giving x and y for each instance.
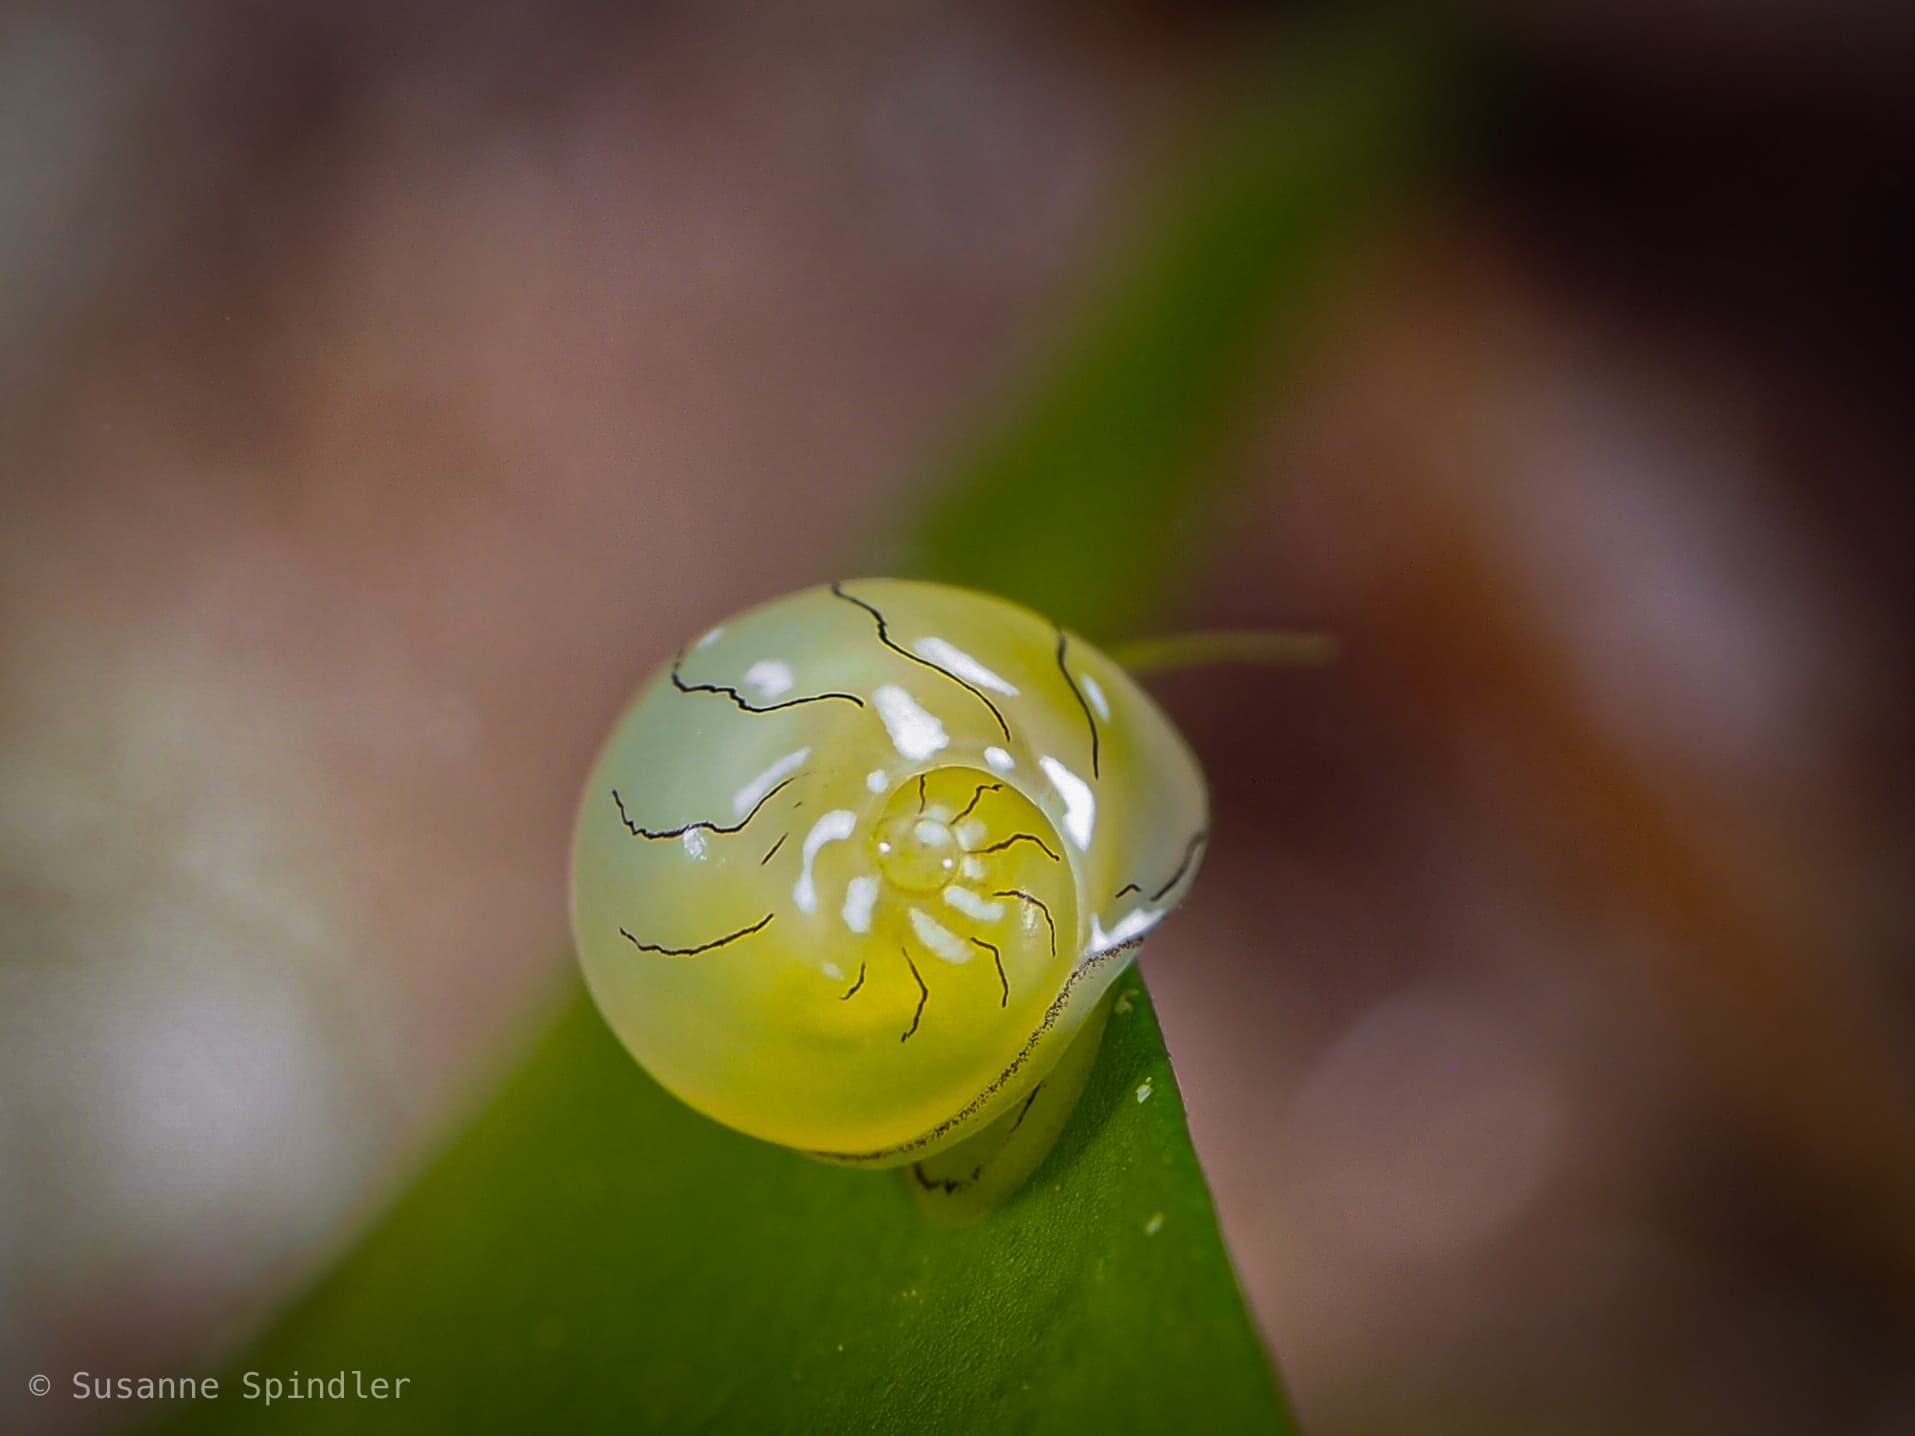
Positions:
(1063, 643)
(758, 926)
(998, 958)
(1037, 903)
(1086, 965)
(884, 637)
(924, 994)
(774, 849)
(638, 832)
(1025, 1110)
(738, 698)
(1197, 840)
(1022, 838)
(855, 986)
(1126, 888)
(948, 1185)
(921, 798)
(982, 789)
(951, 1186)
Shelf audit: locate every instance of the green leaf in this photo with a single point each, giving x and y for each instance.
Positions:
(1096, 491)
(592, 1255)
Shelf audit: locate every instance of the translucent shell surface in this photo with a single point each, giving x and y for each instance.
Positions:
(852, 870)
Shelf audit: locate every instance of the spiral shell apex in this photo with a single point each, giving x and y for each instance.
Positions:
(851, 871)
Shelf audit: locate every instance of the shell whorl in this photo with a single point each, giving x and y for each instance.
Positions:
(851, 870)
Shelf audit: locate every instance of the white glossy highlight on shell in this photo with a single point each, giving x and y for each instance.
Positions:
(749, 796)
(915, 733)
(877, 780)
(999, 760)
(939, 938)
(972, 904)
(972, 832)
(956, 660)
(834, 826)
(1095, 693)
(860, 897)
(1080, 804)
(770, 677)
(711, 636)
(1128, 928)
(694, 841)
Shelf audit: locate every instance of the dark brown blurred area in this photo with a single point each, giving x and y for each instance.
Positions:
(380, 396)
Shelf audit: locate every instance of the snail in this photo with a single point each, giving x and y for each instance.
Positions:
(854, 870)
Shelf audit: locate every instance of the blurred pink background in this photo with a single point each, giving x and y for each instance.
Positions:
(381, 398)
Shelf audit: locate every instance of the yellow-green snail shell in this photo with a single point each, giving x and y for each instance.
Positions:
(852, 870)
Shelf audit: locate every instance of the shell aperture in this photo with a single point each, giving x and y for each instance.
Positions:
(861, 909)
